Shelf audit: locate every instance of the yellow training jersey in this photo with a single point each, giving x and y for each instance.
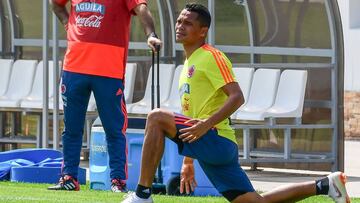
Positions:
(205, 72)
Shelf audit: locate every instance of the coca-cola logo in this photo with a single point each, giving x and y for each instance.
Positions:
(91, 21)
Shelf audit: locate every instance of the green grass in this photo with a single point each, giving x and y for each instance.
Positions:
(25, 192)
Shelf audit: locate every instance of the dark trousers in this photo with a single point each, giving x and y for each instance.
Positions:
(76, 89)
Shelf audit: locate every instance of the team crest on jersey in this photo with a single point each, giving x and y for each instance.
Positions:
(191, 71)
(90, 7)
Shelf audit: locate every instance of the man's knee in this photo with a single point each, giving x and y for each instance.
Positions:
(163, 121)
(157, 116)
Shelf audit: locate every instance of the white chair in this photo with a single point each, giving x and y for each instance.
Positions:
(130, 75)
(166, 78)
(173, 103)
(262, 95)
(290, 95)
(244, 77)
(5, 69)
(21, 80)
(35, 99)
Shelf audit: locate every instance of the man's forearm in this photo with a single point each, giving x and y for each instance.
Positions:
(146, 19)
(61, 13)
(234, 101)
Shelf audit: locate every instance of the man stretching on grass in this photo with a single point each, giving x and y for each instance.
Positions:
(209, 95)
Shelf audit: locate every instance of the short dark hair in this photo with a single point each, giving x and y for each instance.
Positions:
(204, 16)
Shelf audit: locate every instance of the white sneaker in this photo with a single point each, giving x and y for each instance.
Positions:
(337, 189)
(133, 198)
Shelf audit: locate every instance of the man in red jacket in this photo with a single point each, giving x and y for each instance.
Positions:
(95, 60)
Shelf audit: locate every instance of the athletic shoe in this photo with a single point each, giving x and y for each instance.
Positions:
(337, 189)
(118, 185)
(133, 198)
(66, 183)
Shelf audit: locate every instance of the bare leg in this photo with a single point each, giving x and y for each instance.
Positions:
(160, 123)
(291, 193)
(287, 193)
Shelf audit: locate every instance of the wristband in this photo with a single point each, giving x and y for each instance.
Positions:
(153, 34)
